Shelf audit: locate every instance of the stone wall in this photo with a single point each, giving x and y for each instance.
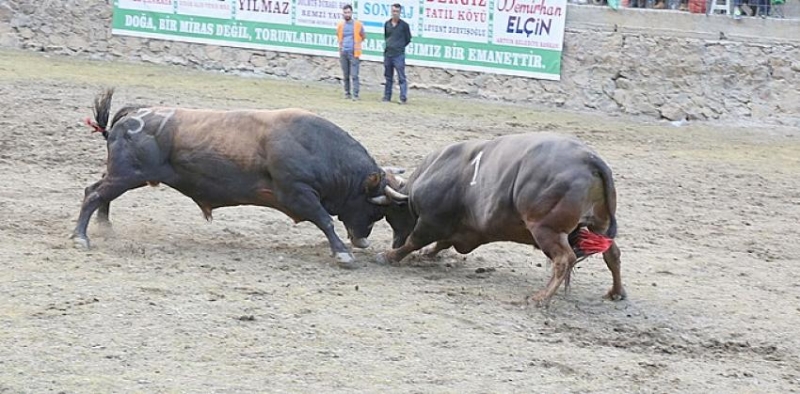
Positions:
(661, 64)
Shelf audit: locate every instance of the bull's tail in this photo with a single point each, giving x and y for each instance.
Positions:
(609, 195)
(584, 242)
(102, 113)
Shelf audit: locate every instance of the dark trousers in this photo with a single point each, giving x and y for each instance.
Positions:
(390, 64)
(762, 7)
(350, 65)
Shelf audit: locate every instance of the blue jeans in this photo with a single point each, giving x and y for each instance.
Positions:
(763, 7)
(350, 67)
(391, 63)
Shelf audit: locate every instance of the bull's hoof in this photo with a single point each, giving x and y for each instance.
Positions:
(382, 259)
(80, 242)
(361, 243)
(615, 295)
(430, 256)
(540, 298)
(105, 228)
(346, 260)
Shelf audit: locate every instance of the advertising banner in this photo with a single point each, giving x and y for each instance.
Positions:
(513, 37)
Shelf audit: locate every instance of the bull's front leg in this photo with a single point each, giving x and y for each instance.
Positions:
(422, 235)
(395, 255)
(304, 204)
(340, 252)
(432, 252)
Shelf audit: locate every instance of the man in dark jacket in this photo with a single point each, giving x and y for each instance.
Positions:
(398, 36)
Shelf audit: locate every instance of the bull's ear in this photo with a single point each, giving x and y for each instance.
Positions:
(372, 182)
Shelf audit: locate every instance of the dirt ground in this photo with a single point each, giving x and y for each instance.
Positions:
(250, 302)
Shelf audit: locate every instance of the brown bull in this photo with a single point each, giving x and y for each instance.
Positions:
(542, 189)
(290, 160)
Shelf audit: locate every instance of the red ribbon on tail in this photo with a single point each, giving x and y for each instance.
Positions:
(591, 243)
(97, 129)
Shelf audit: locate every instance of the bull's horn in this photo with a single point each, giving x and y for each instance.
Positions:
(400, 180)
(394, 194)
(394, 170)
(380, 200)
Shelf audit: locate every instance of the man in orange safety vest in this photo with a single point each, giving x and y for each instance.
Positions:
(350, 33)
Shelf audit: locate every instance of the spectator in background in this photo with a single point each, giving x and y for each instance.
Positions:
(757, 8)
(398, 36)
(351, 34)
(762, 8)
(737, 9)
(636, 3)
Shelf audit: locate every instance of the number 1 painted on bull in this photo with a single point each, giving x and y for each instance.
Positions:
(477, 162)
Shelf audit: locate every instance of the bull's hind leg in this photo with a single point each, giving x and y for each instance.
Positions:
(105, 206)
(99, 195)
(554, 244)
(611, 256)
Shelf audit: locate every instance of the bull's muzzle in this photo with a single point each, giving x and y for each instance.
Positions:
(361, 243)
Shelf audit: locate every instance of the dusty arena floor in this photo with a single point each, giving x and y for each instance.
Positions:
(250, 302)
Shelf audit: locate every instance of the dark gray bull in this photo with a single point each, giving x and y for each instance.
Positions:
(290, 160)
(543, 189)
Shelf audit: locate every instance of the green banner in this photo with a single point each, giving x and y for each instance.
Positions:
(514, 38)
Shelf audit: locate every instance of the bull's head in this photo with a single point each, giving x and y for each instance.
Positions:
(390, 194)
(398, 210)
(362, 213)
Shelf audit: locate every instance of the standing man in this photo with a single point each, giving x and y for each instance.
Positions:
(350, 33)
(398, 35)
